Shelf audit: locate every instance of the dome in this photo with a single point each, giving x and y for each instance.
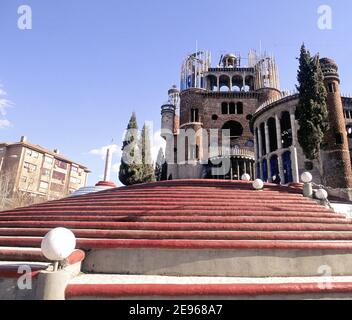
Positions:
(173, 90)
(100, 186)
(229, 60)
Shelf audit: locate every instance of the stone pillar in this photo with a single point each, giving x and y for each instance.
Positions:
(294, 164)
(230, 84)
(281, 168)
(270, 178)
(267, 138)
(293, 127)
(278, 132)
(218, 83)
(260, 143)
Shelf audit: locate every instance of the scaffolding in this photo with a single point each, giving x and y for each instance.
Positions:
(193, 70)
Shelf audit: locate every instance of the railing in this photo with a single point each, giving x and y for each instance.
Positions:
(283, 96)
(237, 152)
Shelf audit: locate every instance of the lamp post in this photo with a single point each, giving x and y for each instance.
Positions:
(58, 245)
(307, 178)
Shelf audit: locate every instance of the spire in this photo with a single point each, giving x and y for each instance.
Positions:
(108, 162)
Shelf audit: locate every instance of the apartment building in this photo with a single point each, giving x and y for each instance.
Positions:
(37, 171)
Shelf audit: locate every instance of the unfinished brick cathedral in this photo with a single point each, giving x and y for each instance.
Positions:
(240, 100)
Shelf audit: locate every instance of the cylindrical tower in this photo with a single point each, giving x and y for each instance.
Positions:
(168, 113)
(336, 154)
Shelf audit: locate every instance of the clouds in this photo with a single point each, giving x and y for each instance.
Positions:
(114, 148)
(4, 124)
(156, 143)
(4, 105)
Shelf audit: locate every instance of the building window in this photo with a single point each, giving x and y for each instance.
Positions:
(45, 172)
(331, 87)
(239, 108)
(232, 130)
(32, 153)
(44, 185)
(215, 117)
(75, 180)
(339, 139)
(49, 160)
(30, 167)
(61, 164)
(233, 109)
(74, 169)
(194, 115)
(59, 176)
(225, 108)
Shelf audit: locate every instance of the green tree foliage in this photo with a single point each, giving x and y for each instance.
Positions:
(161, 167)
(130, 169)
(147, 166)
(312, 112)
(136, 161)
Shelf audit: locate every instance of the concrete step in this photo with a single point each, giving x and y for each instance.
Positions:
(217, 258)
(181, 288)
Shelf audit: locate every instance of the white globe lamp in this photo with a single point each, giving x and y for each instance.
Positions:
(246, 177)
(58, 244)
(321, 194)
(306, 177)
(258, 184)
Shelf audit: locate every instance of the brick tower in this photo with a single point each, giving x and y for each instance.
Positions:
(336, 154)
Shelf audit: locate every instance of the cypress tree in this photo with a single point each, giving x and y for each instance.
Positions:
(130, 169)
(147, 167)
(160, 167)
(312, 112)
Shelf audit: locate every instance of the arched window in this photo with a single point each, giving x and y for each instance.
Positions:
(239, 108)
(286, 130)
(262, 133)
(225, 108)
(194, 115)
(233, 130)
(286, 159)
(232, 108)
(272, 134)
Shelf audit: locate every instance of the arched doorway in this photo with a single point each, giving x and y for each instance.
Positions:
(286, 159)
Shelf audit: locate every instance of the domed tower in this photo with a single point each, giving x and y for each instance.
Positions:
(336, 154)
(230, 61)
(168, 113)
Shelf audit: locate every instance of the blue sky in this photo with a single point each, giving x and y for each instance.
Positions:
(75, 78)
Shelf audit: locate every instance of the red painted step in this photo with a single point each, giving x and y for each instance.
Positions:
(179, 290)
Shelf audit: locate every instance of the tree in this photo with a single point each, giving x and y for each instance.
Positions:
(161, 167)
(147, 167)
(130, 169)
(312, 112)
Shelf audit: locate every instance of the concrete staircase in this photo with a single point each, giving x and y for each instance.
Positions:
(204, 229)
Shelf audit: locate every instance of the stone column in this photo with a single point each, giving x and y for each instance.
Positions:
(230, 84)
(218, 83)
(278, 132)
(256, 155)
(260, 143)
(267, 138)
(293, 127)
(294, 164)
(281, 168)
